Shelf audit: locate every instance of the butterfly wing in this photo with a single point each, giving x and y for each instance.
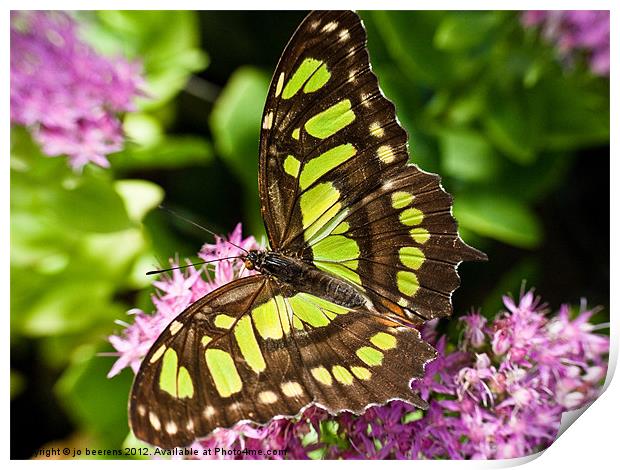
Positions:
(252, 351)
(335, 185)
(311, 78)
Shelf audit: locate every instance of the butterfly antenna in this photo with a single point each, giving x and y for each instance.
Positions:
(171, 212)
(189, 265)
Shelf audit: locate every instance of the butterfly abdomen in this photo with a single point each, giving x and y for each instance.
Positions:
(306, 278)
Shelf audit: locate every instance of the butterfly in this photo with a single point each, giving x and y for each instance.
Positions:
(363, 248)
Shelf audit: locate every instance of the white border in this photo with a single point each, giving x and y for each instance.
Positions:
(590, 444)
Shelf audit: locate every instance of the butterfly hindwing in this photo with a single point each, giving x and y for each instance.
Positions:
(252, 351)
(400, 245)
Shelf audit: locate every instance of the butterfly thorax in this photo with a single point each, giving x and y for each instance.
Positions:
(303, 277)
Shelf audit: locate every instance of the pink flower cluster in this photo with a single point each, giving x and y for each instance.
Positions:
(573, 31)
(67, 94)
(176, 292)
(499, 393)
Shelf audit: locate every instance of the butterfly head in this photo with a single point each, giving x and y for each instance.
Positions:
(254, 260)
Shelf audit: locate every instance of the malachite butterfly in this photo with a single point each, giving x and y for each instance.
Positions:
(363, 247)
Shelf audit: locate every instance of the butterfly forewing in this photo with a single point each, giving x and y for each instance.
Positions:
(251, 351)
(314, 140)
(336, 188)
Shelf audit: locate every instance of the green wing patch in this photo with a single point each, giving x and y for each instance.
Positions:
(400, 244)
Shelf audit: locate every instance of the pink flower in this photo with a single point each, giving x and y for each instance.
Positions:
(576, 334)
(225, 248)
(575, 31)
(134, 344)
(474, 329)
(501, 341)
(473, 380)
(68, 95)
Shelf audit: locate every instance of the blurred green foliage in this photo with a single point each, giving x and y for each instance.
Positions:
(485, 103)
(79, 248)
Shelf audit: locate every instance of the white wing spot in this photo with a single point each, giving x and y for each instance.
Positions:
(387, 186)
(208, 411)
(376, 130)
(344, 35)
(175, 326)
(365, 99)
(141, 410)
(154, 420)
(157, 354)
(292, 389)
(267, 397)
(268, 121)
(315, 24)
(234, 407)
(171, 427)
(190, 426)
(352, 76)
(386, 154)
(329, 27)
(279, 84)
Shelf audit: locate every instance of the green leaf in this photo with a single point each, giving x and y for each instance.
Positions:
(579, 121)
(512, 123)
(408, 37)
(91, 206)
(142, 128)
(137, 277)
(235, 120)
(413, 416)
(533, 182)
(329, 434)
(74, 283)
(139, 197)
(318, 454)
(467, 156)
(96, 403)
(68, 306)
(170, 152)
(37, 244)
(53, 311)
(312, 437)
(495, 216)
(18, 383)
(467, 107)
(235, 123)
(113, 253)
(462, 30)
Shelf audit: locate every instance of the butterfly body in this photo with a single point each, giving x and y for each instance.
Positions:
(295, 275)
(363, 245)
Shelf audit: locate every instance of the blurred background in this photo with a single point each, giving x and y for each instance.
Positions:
(512, 116)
